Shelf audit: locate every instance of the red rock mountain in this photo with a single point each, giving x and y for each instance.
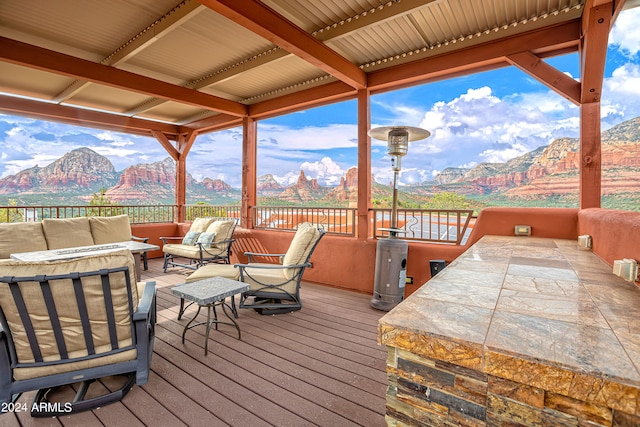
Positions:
(552, 170)
(539, 174)
(81, 169)
(267, 185)
(304, 190)
(216, 185)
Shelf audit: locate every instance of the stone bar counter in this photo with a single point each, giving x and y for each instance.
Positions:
(516, 331)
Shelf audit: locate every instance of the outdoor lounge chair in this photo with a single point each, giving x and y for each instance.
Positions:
(73, 322)
(275, 288)
(208, 240)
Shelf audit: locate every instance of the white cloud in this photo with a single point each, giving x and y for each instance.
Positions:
(626, 32)
(310, 137)
(620, 95)
(326, 171)
(501, 156)
(477, 126)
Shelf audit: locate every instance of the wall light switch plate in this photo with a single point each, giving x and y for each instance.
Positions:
(522, 230)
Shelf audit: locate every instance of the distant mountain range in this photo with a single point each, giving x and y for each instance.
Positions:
(551, 170)
(545, 173)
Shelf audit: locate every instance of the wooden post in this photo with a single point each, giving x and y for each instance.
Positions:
(249, 169)
(596, 23)
(364, 164)
(590, 156)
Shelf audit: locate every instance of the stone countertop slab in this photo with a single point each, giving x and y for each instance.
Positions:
(530, 309)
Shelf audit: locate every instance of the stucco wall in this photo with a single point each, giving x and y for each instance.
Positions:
(350, 263)
(615, 234)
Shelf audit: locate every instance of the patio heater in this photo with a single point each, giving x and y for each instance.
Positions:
(391, 252)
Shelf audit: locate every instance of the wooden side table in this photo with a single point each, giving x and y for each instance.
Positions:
(209, 293)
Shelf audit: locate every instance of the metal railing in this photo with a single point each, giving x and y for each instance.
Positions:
(339, 221)
(137, 214)
(430, 225)
(199, 210)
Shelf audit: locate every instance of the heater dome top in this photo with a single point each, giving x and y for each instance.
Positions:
(413, 133)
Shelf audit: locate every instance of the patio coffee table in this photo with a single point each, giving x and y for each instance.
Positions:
(210, 292)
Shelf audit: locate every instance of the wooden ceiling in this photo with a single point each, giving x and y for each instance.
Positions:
(154, 67)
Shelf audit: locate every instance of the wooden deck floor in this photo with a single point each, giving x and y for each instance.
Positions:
(318, 366)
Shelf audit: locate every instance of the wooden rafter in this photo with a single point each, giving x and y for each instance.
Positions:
(19, 53)
(270, 25)
(83, 117)
(145, 38)
(563, 37)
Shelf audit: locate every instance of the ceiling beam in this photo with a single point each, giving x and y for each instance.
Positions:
(484, 56)
(88, 118)
(215, 123)
(272, 26)
(26, 55)
(309, 98)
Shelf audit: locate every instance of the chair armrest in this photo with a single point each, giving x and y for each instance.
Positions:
(140, 239)
(145, 303)
(164, 239)
(251, 255)
(259, 254)
(271, 266)
(217, 243)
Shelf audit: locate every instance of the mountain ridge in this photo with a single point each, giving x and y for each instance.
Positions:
(547, 170)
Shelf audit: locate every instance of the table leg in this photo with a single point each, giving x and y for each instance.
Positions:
(186, 328)
(206, 337)
(136, 259)
(224, 308)
(210, 321)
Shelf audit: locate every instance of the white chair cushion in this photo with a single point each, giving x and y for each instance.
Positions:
(305, 238)
(214, 270)
(223, 230)
(67, 233)
(189, 251)
(201, 224)
(110, 229)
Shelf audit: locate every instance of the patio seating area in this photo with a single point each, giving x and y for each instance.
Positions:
(317, 366)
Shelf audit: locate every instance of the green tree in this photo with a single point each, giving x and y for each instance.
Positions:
(449, 200)
(205, 210)
(11, 214)
(104, 206)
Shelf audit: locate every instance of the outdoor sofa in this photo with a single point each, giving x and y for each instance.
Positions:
(58, 233)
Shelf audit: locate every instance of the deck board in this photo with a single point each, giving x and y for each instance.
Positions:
(317, 366)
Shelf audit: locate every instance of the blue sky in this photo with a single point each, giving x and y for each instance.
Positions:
(485, 117)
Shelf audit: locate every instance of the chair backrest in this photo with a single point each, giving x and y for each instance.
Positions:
(223, 230)
(201, 224)
(68, 310)
(110, 229)
(302, 246)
